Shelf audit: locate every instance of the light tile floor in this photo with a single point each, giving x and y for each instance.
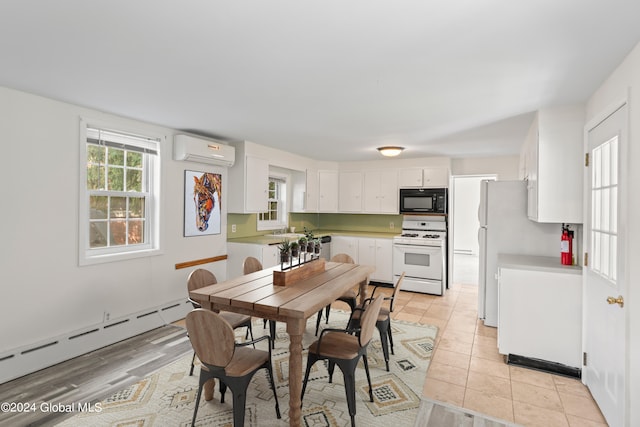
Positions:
(467, 370)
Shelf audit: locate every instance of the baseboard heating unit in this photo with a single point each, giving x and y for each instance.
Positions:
(544, 365)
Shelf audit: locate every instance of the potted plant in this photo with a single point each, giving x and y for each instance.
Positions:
(285, 251)
(308, 234)
(295, 248)
(317, 245)
(310, 246)
(303, 244)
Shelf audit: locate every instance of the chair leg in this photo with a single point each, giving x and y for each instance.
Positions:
(239, 392)
(311, 359)
(201, 382)
(193, 362)
(264, 323)
(327, 310)
(331, 368)
(383, 327)
(366, 370)
(348, 368)
(250, 332)
(390, 337)
(223, 390)
(272, 333)
(273, 387)
(318, 321)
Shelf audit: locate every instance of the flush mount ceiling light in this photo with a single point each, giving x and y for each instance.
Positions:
(390, 150)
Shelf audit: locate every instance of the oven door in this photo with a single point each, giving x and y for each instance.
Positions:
(417, 261)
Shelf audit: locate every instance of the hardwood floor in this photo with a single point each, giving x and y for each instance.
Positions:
(92, 377)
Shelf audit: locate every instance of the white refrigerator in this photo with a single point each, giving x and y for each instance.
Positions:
(506, 229)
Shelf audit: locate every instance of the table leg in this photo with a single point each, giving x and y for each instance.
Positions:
(363, 291)
(295, 329)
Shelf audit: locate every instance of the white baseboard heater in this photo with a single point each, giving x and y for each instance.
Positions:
(21, 361)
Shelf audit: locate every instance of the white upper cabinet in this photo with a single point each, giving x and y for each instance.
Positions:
(435, 177)
(350, 194)
(552, 161)
(305, 191)
(381, 192)
(311, 200)
(248, 185)
(410, 178)
(432, 177)
(327, 191)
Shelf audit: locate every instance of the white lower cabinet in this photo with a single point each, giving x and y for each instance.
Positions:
(540, 314)
(237, 252)
(363, 250)
(345, 245)
(377, 252)
(368, 251)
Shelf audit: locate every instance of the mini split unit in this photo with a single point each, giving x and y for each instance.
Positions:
(192, 149)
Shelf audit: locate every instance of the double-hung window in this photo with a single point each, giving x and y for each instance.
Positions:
(275, 215)
(119, 194)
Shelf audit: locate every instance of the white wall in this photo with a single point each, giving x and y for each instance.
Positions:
(44, 291)
(505, 167)
(625, 81)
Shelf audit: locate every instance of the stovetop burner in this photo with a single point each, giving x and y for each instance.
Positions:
(431, 236)
(409, 235)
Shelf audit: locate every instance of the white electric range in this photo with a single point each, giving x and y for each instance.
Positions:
(420, 252)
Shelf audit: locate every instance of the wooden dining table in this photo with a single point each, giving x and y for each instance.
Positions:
(255, 294)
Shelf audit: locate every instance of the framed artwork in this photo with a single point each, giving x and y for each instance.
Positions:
(202, 196)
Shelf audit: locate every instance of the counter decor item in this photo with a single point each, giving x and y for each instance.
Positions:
(293, 274)
(285, 251)
(295, 249)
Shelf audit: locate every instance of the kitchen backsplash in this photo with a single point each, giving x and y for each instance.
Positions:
(246, 224)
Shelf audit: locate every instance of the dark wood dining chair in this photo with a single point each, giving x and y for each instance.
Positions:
(383, 322)
(251, 265)
(200, 278)
(233, 364)
(345, 347)
(349, 296)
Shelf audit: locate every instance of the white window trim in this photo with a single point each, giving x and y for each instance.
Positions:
(88, 256)
(284, 208)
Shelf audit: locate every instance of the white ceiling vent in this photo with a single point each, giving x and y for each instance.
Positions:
(189, 148)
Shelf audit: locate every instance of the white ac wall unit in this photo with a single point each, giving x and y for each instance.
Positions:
(189, 148)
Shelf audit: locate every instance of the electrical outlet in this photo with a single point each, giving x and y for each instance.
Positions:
(392, 225)
(233, 228)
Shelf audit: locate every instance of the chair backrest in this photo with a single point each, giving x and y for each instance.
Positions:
(251, 264)
(342, 258)
(368, 320)
(211, 336)
(396, 289)
(200, 278)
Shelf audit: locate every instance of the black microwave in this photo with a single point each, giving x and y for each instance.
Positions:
(423, 200)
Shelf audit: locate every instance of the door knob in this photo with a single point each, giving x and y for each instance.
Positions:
(619, 300)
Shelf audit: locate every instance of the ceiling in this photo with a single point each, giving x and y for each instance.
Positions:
(330, 80)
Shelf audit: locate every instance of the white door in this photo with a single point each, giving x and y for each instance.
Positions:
(604, 319)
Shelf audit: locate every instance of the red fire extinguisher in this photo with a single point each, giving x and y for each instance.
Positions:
(566, 246)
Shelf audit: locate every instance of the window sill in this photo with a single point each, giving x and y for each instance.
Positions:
(106, 258)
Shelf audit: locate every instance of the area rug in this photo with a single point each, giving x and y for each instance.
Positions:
(167, 397)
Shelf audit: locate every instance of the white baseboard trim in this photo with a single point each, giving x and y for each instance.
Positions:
(21, 361)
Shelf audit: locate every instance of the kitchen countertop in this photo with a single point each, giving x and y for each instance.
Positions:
(539, 263)
(269, 239)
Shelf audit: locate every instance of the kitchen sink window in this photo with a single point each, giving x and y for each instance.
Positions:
(275, 216)
(119, 194)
